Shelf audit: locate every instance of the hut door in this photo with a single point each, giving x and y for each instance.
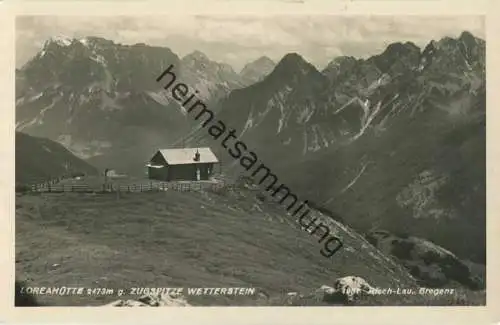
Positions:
(197, 173)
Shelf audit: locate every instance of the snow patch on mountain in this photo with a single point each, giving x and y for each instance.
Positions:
(281, 120)
(395, 107)
(369, 115)
(38, 119)
(84, 41)
(82, 99)
(21, 125)
(305, 148)
(305, 114)
(383, 80)
(249, 123)
(318, 140)
(99, 59)
(314, 142)
(278, 101)
(60, 40)
(349, 102)
(323, 137)
(32, 99)
(355, 179)
(23, 99)
(280, 125)
(43, 110)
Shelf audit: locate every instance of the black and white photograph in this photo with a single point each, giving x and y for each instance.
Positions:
(246, 160)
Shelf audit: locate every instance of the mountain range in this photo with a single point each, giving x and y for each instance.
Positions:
(394, 142)
(98, 97)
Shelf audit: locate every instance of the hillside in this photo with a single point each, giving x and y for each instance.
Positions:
(188, 239)
(430, 264)
(39, 160)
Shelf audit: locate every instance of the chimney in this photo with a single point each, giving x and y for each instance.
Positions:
(196, 156)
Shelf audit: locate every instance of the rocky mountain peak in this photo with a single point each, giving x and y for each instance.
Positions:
(430, 48)
(455, 53)
(399, 48)
(62, 45)
(196, 56)
(467, 37)
(291, 59)
(199, 61)
(450, 44)
(264, 60)
(397, 57)
(340, 60)
(447, 43)
(338, 66)
(257, 70)
(292, 65)
(59, 41)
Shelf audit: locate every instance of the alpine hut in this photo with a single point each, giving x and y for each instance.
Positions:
(186, 164)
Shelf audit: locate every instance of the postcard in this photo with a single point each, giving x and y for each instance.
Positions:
(264, 156)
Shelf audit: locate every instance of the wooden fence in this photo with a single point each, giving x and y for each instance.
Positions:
(53, 187)
(58, 186)
(164, 186)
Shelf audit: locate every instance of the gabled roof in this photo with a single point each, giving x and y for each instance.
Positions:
(186, 156)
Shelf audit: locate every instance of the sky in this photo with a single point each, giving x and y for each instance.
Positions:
(240, 39)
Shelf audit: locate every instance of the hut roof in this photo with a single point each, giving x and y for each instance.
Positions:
(187, 155)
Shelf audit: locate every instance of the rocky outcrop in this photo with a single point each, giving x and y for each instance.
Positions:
(345, 291)
(158, 300)
(431, 264)
(351, 287)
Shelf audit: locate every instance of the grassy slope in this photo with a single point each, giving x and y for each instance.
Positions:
(39, 159)
(180, 239)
